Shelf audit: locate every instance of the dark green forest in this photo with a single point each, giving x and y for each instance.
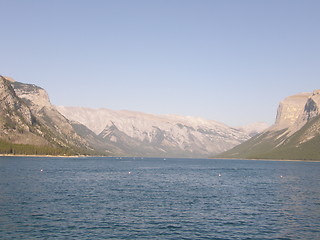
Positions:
(26, 149)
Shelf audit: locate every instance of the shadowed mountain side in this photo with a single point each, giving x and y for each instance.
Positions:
(95, 141)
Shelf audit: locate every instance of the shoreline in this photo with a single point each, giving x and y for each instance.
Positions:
(274, 160)
(47, 156)
(86, 156)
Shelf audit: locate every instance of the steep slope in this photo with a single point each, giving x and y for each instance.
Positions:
(38, 101)
(30, 125)
(295, 134)
(16, 119)
(135, 133)
(96, 142)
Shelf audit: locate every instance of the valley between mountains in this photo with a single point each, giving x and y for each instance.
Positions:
(31, 125)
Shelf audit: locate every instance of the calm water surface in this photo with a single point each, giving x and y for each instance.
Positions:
(110, 198)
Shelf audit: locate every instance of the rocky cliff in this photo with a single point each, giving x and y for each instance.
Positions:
(38, 101)
(295, 134)
(16, 118)
(134, 133)
(30, 123)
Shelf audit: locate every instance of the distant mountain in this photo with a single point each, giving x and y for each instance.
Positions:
(141, 134)
(254, 128)
(29, 124)
(295, 134)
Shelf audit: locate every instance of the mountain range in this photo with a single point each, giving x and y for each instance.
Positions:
(295, 134)
(30, 124)
(141, 134)
(30, 121)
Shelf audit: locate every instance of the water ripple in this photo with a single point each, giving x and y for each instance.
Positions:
(96, 198)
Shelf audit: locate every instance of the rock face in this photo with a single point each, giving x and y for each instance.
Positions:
(311, 108)
(134, 133)
(15, 118)
(295, 111)
(290, 109)
(38, 101)
(27, 117)
(295, 134)
(36, 97)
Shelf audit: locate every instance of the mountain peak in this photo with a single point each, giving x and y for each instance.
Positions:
(316, 92)
(295, 134)
(290, 109)
(9, 79)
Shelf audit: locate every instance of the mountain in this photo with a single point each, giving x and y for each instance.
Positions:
(295, 134)
(29, 124)
(141, 134)
(254, 128)
(16, 119)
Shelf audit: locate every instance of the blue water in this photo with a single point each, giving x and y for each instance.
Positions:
(110, 198)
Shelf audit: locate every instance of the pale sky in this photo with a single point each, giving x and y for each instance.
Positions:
(229, 61)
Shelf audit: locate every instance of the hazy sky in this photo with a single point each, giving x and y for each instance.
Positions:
(230, 61)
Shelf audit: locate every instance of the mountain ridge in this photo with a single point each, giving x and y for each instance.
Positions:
(29, 124)
(295, 134)
(158, 135)
(30, 120)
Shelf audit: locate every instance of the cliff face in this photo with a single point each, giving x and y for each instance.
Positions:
(16, 118)
(10, 103)
(290, 109)
(295, 134)
(38, 101)
(295, 111)
(27, 117)
(311, 108)
(135, 133)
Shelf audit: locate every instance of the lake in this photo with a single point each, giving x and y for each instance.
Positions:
(152, 198)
